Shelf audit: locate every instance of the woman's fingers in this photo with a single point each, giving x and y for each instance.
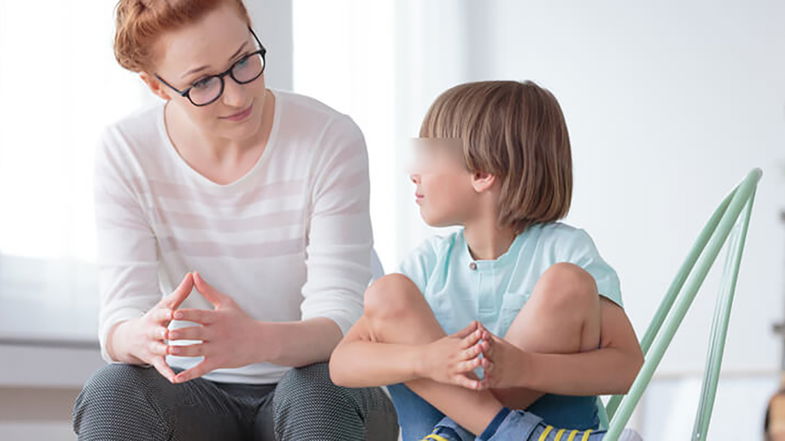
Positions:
(195, 372)
(208, 291)
(189, 333)
(173, 300)
(196, 350)
(157, 333)
(160, 365)
(201, 316)
(157, 348)
(162, 316)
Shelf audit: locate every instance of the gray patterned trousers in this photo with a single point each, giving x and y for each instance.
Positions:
(125, 402)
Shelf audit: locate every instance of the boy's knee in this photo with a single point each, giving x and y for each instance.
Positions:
(567, 285)
(389, 297)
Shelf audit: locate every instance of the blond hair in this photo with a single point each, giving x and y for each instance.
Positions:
(516, 132)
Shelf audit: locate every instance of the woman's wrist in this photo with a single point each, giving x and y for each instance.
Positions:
(268, 341)
(116, 346)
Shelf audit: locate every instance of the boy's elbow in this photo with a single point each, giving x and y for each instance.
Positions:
(337, 375)
(631, 372)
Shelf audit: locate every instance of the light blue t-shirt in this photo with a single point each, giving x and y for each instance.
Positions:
(460, 289)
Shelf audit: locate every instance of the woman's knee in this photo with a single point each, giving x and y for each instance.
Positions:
(301, 385)
(305, 395)
(117, 390)
(390, 297)
(307, 404)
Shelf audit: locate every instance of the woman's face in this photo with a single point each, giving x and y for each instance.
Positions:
(210, 47)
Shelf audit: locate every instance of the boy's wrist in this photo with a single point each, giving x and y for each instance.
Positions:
(525, 376)
(417, 362)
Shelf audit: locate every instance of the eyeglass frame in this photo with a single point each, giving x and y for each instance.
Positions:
(187, 92)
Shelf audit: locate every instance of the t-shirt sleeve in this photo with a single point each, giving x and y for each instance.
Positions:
(580, 250)
(339, 232)
(420, 264)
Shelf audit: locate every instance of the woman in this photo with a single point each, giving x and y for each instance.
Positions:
(247, 209)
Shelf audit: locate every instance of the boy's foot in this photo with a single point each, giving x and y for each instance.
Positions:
(519, 425)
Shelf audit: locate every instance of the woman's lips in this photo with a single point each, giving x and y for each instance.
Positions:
(419, 197)
(240, 115)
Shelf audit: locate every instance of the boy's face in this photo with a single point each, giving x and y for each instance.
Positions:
(444, 188)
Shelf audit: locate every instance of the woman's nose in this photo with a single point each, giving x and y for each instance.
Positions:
(415, 178)
(233, 95)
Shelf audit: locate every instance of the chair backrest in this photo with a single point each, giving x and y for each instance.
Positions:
(728, 224)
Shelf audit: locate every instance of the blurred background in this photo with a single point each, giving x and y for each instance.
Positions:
(669, 105)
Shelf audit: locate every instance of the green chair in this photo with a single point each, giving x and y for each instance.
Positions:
(729, 224)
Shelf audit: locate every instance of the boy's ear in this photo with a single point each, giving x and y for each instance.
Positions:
(155, 86)
(482, 181)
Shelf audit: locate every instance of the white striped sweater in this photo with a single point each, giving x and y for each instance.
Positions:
(290, 240)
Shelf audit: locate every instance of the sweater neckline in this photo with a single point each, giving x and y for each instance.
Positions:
(204, 180)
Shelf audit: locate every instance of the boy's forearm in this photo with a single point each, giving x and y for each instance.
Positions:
(606, 371)
(361, 363)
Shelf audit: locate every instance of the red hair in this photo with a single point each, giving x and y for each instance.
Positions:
(139, 24)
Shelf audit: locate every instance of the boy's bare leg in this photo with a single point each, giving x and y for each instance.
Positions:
(397, 312)
(561, 317)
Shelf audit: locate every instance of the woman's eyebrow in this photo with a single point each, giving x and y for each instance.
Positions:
(201, 68)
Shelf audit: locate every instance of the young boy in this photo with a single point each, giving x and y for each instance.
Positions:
(514, 292)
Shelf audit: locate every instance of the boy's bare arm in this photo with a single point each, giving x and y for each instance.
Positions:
(360, 361)
(611, 369)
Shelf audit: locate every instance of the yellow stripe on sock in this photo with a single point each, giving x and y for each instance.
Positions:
(545, 433)
(573, 435)
(435, 437)
(559, 434)
(586, 435)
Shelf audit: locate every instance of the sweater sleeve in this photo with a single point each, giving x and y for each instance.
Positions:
(339, 238)
(127, 254)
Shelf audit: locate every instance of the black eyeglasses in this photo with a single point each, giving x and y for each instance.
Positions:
(208, 89)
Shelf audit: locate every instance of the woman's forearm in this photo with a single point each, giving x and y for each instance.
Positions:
(362, 363)
(603, 371)
(300, 343)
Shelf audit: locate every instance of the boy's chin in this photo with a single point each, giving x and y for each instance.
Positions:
(437, 222)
